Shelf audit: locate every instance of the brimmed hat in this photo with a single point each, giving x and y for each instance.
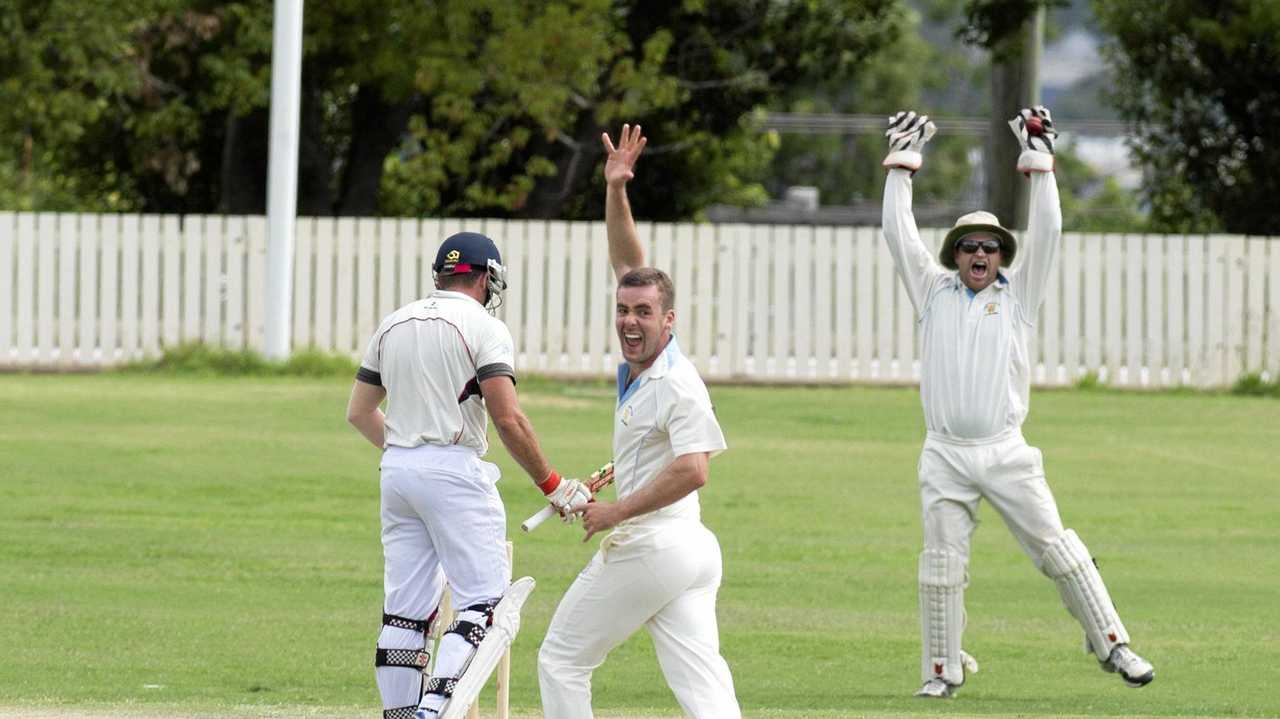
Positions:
(979, 221)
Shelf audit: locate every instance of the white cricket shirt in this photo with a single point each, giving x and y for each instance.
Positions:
(661, 415)
(975, 369)
(431, 356)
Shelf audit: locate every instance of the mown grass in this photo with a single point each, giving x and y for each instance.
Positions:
(179, 544)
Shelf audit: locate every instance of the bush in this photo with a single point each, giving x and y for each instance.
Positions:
(200, 359)
(1090, 381)
(1255, 385)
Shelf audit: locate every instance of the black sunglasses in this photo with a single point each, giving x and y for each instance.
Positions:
(971, 246)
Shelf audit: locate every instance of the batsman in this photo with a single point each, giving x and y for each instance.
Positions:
(975, 310)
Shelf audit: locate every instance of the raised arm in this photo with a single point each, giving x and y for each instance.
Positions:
(1039, 251)
(625, 250)
(916, 266)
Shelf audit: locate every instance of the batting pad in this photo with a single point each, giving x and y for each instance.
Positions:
(500, 634)
(942, 583)
(1067, 560)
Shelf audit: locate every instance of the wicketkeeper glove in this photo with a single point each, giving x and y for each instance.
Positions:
(564, 493)
(1033, 126)
(907, 133)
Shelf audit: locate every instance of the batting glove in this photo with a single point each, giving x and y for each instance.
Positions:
(1033, 126)
(907, 133)
(565, 493)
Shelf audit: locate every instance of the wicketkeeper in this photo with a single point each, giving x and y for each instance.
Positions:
(975, 311)
(441, 363)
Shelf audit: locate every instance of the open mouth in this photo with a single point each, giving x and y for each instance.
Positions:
(978, 270)
(632, 340)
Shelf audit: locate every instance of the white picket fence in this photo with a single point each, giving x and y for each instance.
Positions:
(754, 303)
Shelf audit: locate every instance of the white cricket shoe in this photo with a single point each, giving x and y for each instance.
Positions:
(1133, 669)
(936, 689)
(939, 688)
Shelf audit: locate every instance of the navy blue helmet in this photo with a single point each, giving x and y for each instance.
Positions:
(467, 252)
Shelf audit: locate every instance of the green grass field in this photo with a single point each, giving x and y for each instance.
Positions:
(184, 546)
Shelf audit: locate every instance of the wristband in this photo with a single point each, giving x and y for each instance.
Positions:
(549, 484)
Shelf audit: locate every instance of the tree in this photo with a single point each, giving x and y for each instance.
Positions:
(61, 71)
(913, 71)
(692, 73)
(459, 107)
(1200, 81)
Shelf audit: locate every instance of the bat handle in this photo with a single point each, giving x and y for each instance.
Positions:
(543, 515)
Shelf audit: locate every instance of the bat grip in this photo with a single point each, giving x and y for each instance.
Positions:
(542, 515)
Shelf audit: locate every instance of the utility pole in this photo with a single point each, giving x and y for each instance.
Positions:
(1015, 84)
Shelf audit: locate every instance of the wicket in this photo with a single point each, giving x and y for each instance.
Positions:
(503, 676)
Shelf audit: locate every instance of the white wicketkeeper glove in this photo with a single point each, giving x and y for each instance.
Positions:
(567, 493)
(1033, 127)
(907, 133)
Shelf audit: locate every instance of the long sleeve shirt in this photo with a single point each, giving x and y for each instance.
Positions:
(975, 370)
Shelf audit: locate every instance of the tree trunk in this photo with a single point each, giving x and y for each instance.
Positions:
(315, 162)
(243, 179)
(376, 129)
(574, 164)
(1015, 84)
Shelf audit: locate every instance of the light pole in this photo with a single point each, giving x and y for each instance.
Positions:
(282, 174)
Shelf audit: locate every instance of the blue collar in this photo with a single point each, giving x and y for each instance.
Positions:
(658, 369)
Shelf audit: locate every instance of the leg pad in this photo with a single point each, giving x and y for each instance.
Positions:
(1068, 562)
(942, 582)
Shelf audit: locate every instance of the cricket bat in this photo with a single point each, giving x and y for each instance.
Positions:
(598, 480)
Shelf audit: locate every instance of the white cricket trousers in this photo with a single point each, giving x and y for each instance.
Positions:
(671, 591)
(441, 510)
(956, 475)
(441, 517)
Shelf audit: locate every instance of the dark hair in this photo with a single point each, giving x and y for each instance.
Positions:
(458, 279)
(646, 276)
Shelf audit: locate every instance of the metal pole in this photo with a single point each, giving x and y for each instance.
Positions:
(282, 174)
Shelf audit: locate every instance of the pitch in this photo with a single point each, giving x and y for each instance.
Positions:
(209, 547)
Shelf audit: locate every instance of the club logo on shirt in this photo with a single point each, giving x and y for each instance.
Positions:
(993, 308)
(627, 413)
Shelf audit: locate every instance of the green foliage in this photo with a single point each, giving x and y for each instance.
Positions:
(201, 359)
(1089, 382)
(475, 107)
(1200, 81)
(314, 363)
(990, 23)
(846, 169)
(1254, 385)
(722, 60)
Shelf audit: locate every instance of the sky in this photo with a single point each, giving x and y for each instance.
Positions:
(1072, 58)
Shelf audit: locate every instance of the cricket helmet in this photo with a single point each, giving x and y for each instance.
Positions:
(467, 252)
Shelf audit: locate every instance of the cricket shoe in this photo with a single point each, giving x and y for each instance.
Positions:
(939, 688)
(1133, 669)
